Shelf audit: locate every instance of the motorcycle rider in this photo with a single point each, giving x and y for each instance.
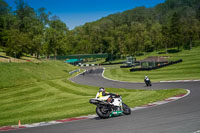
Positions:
(101, 94)
(106, 109)
(146, 78)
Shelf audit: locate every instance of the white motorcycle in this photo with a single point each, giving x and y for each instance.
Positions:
(107, 109)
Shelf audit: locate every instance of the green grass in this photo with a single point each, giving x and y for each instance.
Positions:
(189, 69)
(14, 74)
(42, 92)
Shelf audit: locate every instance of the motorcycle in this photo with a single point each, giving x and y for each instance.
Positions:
(147, 82)
(107, 109)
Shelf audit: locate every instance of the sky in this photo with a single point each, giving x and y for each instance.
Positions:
(78, 12)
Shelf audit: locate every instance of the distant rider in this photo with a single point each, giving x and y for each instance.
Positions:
(147, 81)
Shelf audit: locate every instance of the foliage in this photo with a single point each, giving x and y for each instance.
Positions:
(172, 24)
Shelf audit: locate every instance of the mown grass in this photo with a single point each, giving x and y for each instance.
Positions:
(42, 92)
(13, 74)
(189, 69)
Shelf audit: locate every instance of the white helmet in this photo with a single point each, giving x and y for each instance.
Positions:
(101, 89)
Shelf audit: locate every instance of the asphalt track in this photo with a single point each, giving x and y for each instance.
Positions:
(181, 116)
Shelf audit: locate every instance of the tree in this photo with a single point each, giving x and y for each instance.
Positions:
(156, 35)
(138, 31)
(175, 34)
(4, 13)
(165, 36)
(189, 28)
(16, 43)
(4, 8)
(42, 16)
(55, 35)
(25, 14)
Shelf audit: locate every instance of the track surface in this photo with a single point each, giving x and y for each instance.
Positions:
(181, 116)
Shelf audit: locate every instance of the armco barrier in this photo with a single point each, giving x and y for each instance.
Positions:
(126, 66)
(135, 64)
(157, 67)
(77, 70)
(113, 63)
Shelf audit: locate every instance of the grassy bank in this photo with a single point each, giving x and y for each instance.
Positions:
(14, 74)
(41, 92)
(188, 69)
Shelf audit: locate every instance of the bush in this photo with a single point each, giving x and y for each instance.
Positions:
(173, 50)
(161, 52)
(186, 46)
(1, 50)
(196, 43)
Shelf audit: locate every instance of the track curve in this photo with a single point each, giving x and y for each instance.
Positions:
(181, 116)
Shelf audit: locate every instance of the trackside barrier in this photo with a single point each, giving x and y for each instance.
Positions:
(126, 66)
(77, 70)
(157, 67)
(116, 63)
(137, 63)
(82, 65)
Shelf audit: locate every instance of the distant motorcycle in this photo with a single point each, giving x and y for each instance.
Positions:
(106, 109)
(147, 81)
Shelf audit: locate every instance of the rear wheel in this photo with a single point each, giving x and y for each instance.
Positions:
(126, 109)
(102, 111)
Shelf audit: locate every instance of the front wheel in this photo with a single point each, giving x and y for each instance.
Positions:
(126, 109)
(147, 83)
(102, 111)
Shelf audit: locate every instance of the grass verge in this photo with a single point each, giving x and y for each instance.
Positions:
(189, 69)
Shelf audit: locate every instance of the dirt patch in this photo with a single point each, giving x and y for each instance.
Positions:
(7, 59)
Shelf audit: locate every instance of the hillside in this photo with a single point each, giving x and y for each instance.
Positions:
(172, 24)
(15, 74)
(189, 69)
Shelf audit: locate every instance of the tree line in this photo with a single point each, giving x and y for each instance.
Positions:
(173, 24)
(31, 32)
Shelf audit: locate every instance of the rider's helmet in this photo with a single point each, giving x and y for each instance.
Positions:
(145, 77)
(101, 89)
